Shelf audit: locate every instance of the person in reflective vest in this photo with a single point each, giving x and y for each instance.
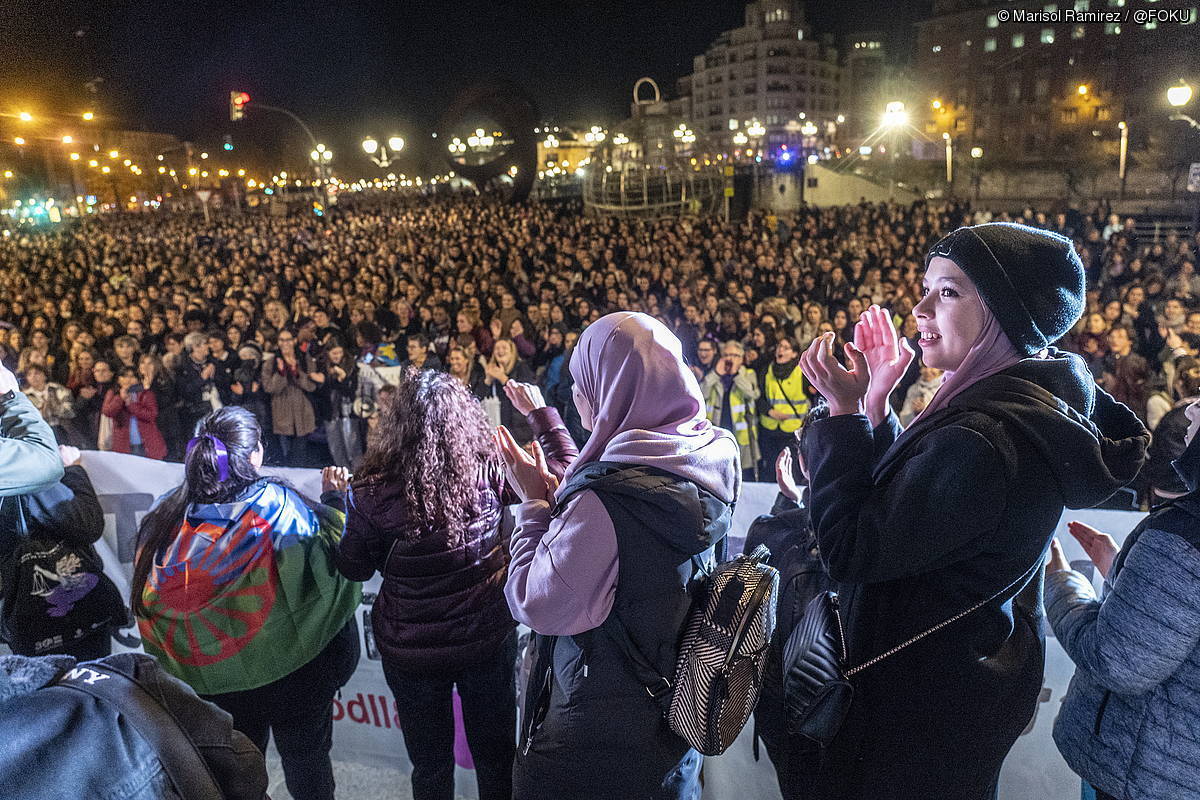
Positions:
(730, 392)
(782, 406)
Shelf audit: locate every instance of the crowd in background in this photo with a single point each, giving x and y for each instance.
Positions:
(125, 331)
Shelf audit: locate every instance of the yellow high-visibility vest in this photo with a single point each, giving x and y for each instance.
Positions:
(787, 397)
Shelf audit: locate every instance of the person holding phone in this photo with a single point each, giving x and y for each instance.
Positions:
(730, 392)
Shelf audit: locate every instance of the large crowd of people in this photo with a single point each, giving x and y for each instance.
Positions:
(125, 331)
(617, 381)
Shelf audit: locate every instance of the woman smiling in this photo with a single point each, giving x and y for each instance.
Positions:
(936, 534)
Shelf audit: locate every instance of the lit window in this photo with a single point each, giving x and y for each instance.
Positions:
(1051, 9)
(1112, 29)
(937, 48)
(1078, 32)
(1116, 3)
(993, 21)
(1151, 25)
(989, 45)
(1018, 40)
(1082, 5)
(1047, 36)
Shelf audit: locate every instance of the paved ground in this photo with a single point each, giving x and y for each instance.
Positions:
(355, 782)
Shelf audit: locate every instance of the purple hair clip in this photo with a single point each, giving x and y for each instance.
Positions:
(222, 454)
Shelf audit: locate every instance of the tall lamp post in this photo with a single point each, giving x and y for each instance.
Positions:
(949, 162)
(321, 157)
(895, 117)
(1124, 128)
(1179, 96)
(382, 156)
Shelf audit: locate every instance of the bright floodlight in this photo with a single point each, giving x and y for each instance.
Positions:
(26, 116)
(894, 115)
(396, 143)
(1180, 95)
(370, 146)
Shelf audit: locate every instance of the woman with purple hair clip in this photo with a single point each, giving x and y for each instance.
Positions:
(236, 593)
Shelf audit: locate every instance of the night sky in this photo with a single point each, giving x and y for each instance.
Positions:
(357, 68)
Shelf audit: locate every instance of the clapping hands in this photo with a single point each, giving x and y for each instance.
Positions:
(528, 475)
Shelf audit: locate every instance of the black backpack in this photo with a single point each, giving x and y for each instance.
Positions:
(54, 594)
(788, 535)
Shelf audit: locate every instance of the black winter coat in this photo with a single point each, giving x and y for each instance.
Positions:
(442, 604)
(959, 506)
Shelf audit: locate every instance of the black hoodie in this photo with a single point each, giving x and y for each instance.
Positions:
(960, 505)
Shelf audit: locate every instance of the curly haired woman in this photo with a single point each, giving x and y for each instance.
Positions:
(426, 514)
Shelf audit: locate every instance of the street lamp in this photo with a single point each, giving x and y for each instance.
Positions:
(381, 155)
(894, 115)
(949, 159)
(1179, 96)
(1124, 128)
(26, 116)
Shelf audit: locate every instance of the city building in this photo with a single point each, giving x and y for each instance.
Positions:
(770, 83)
(1026, 82)
(873, 75)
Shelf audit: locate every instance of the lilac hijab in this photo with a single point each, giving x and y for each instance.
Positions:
(992, 352)
(646, 405)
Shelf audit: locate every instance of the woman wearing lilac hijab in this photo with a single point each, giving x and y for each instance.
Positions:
(918, 526)
(611, 553)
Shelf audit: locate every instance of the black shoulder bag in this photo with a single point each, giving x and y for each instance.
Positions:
(816, 681)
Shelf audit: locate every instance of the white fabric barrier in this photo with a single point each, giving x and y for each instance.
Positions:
(366, 729)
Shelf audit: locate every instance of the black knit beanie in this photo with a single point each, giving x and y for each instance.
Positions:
(1032, 280)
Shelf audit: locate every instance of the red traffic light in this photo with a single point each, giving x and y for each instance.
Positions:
(241, 99)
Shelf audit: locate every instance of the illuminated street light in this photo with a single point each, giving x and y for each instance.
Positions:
(67, 140)
(114, 153)
(976, 152)
(88, 116)
(808, 129)
(894, 115)
(26, 116)
(740, 138)
(1082, 89)
(756, 129)
(20, 140)
(74, 156)
(1179, 96)
(370, 146)
(396, 143)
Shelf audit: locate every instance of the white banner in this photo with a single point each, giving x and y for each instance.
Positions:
(366, 729)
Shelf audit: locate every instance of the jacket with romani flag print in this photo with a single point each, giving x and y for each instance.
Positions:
(247, 592)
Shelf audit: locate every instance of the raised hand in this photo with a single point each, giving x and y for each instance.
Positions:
(888, 356)
(843, 388)
(335, 479)
(1101, 548)
(784, 477)
(527, 474)
(525, 397)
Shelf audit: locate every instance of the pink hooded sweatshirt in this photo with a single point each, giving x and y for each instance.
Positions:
(646, 410)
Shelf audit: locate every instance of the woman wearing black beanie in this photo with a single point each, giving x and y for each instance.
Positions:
(957, 511)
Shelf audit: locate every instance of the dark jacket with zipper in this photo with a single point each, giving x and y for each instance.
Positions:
(1129, 722)
(590, 727)
(441, 605)
(959, 506)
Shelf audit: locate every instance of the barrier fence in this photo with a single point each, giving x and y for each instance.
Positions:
(366, 729)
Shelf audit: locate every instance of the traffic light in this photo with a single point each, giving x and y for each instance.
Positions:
(228, 144)
(237, 105)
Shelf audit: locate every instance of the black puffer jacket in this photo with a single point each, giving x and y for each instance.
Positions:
(441, 605)
(960, 505)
